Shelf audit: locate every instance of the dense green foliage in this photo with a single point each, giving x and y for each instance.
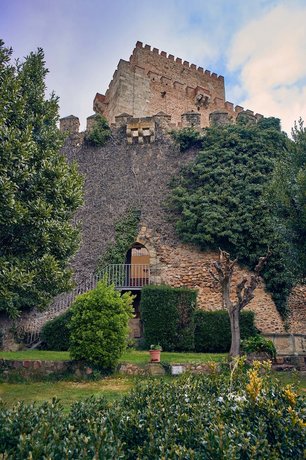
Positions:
(187, 138)
(99, 325)
(55, 333)
(100, 132)
(213, 330)
(39, 190)
(126, 230)
(167, 314)
(258, 344)
(289, 192)
(220, 200)
(246, 415)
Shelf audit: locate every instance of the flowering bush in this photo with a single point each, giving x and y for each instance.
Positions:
(237, 415)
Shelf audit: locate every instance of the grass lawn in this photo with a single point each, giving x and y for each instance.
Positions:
(111, 388)
(298, 379)
(130, 356)
(68, 392)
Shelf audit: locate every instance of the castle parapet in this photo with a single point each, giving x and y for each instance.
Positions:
(191, 120)
(90, 121)
(220, 118)
(147, 48)
(70, 124)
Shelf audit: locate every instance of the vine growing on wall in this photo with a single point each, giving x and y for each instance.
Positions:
(126, 230)
(220, 200)
(100, 132)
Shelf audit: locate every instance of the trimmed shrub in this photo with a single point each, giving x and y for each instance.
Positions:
(168, 317)
(55, 333)
(213, 330)
(99, 325)
(258, 344)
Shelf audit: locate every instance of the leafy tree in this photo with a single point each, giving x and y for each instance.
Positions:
(220, 202)
(39, 190)
(289, 191)
(99, 325)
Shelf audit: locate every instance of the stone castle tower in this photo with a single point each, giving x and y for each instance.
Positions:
(152, 82)
(150, 94)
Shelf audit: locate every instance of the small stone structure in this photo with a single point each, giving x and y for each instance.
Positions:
(140, 130)
(191, 119)
(288, 344)
(70, 124)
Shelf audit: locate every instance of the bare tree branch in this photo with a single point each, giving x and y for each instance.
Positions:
(223, 272)
(215, 277)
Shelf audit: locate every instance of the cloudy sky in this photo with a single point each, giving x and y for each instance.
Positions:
(258, 45)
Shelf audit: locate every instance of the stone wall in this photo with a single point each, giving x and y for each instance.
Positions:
(297, 304)
(120, 176)
(40, 368)
(288, 344)
(183, 265)
(153, 81)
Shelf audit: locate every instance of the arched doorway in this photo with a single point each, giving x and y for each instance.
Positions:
(138, 258)
(137, 275)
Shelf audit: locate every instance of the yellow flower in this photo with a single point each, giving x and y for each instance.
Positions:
(255, 383)
(296, 420)
(290, 395)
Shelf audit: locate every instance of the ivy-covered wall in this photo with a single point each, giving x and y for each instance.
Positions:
(121, 177)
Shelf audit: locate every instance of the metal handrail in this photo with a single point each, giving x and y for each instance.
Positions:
(127, 276)
(123, 276)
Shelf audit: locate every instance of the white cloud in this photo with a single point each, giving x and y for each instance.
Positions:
(270, 54)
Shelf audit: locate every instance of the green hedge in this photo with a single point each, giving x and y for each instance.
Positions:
(168, 317)
(55, 333)
(213, 331)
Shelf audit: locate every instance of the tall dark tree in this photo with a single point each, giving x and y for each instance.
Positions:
(289, 192)
(39, 190)
(220, 199)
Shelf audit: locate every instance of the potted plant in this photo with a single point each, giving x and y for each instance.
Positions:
(155, 353)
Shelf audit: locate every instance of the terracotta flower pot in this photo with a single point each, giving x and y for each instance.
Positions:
(155, 356)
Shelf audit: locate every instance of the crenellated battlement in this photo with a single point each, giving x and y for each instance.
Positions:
(152, 81)
(177, 60)
(145, 130)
